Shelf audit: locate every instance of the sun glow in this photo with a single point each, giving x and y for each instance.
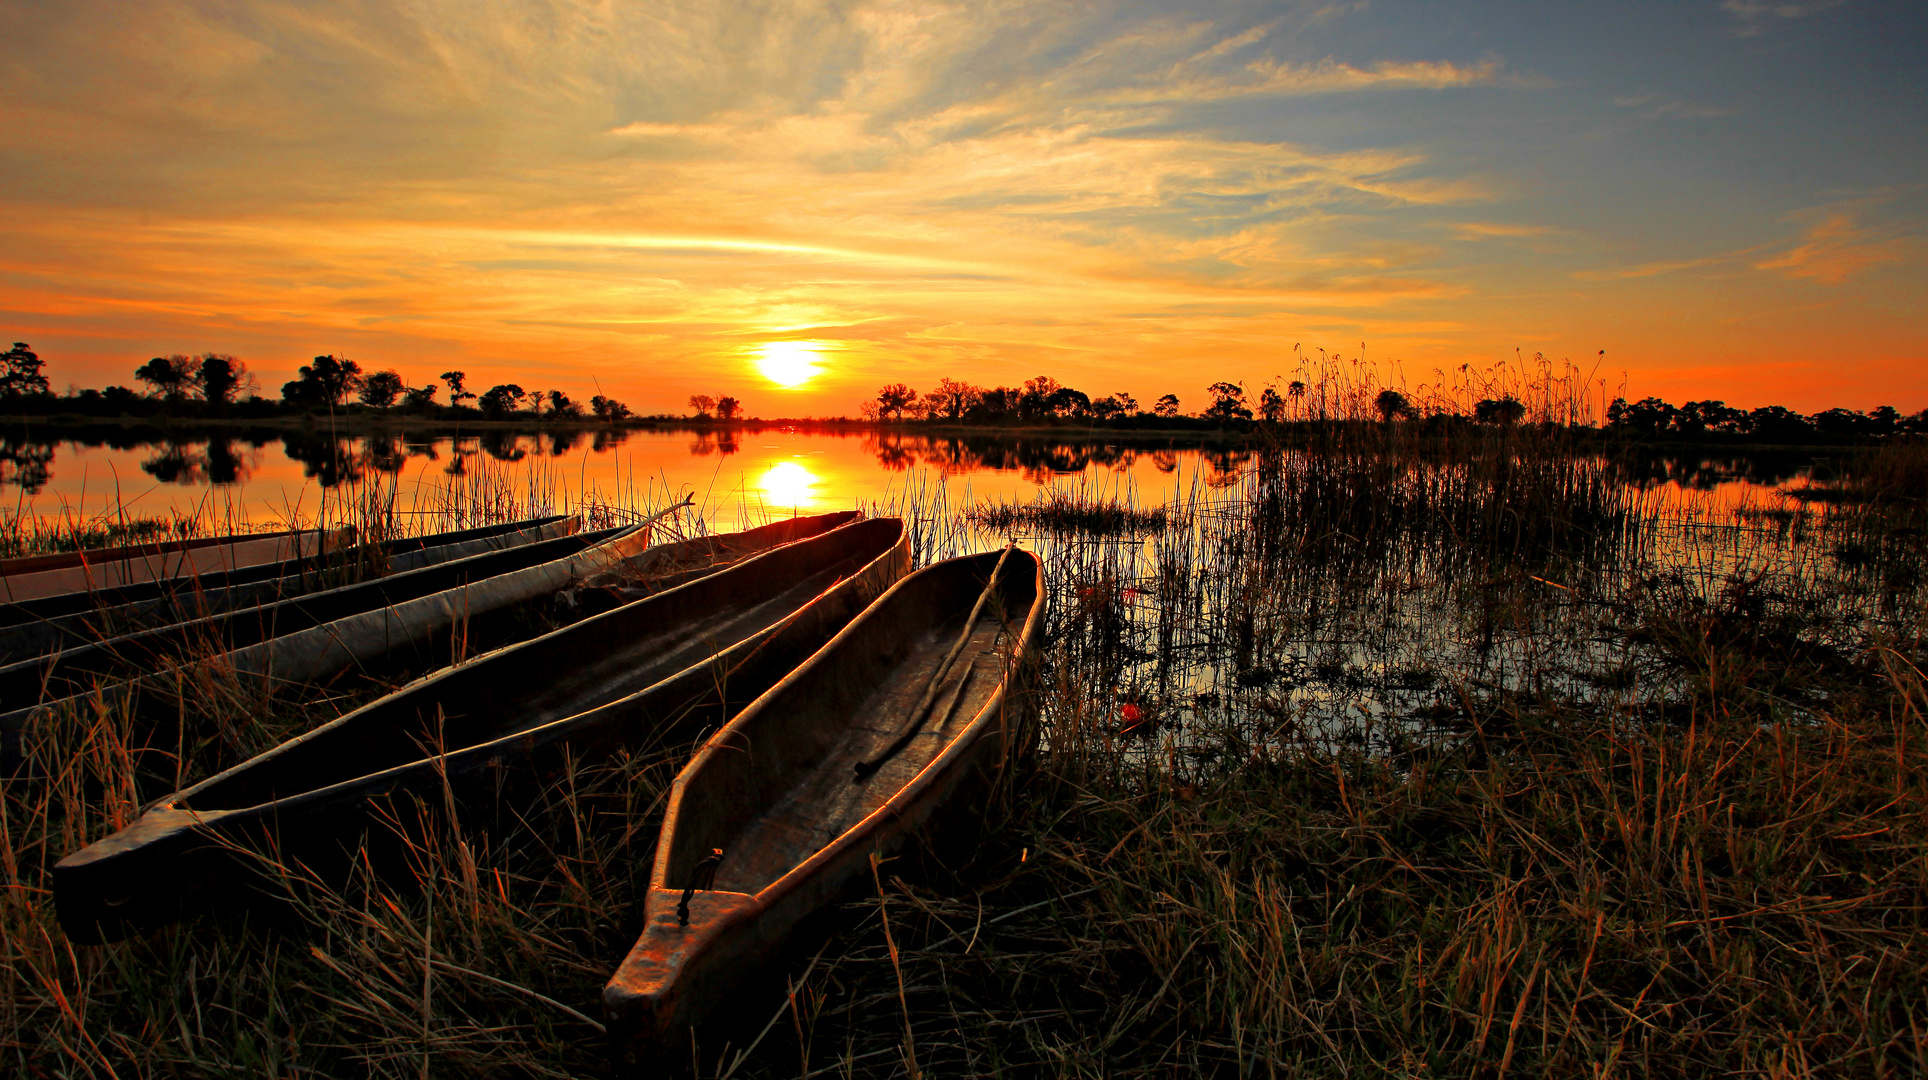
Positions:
(790, 363)
(788, 484)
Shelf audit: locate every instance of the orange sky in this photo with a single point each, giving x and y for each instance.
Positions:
(641, 198)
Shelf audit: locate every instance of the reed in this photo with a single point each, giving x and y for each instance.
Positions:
(1395, 755)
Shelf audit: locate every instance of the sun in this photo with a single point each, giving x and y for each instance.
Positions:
(790, 363)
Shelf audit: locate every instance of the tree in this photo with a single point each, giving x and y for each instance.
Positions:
(324, 382)
(727, 408)
(1038, 393)
(221, 378)
(561, 406)
(20, 372)
(702, 403)
(1271, 406)
(171, 377)
(502, 399)
(1105, 408)
(1228, 403)
(458, 391)
(420, 399)
(1065, 401)
(892, 400)
(608, 409)
(382, 388)
(1127, 405)
(1166, 406)
(1392, 405)
(1504, 411)
(953, 399)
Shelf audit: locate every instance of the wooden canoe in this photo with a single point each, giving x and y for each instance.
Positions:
(654, 672)
(778, 792)
(70, 620)
(111, 568)
(75, 670)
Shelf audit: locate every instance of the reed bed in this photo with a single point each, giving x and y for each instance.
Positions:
(1387, 758)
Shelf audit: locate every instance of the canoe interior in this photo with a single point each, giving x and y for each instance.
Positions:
(778, 785)
(560, 674)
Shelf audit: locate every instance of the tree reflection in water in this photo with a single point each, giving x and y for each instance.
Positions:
(27, 465)
(714, 442)
(1037, 460)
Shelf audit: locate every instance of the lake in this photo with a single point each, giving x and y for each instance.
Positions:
(264, 476)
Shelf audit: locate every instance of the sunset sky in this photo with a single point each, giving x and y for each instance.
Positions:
(660, 199)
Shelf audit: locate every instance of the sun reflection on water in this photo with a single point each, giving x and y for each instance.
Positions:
(788, 484)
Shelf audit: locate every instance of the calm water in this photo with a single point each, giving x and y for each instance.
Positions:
(277, 476)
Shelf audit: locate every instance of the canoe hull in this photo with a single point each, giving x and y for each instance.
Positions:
(677, 975)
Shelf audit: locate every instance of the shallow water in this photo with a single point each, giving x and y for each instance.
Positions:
(264, 477)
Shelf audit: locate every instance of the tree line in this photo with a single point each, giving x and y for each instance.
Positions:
(1044, 400)
(218, 384)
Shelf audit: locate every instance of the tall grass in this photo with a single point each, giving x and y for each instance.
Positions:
(1457, 759)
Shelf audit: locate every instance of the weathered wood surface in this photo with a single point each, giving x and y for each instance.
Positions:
(114, 567)
(777, 791)
(70, 620)
(654, 672)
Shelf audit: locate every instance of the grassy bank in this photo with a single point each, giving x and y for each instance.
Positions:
(1384, 760)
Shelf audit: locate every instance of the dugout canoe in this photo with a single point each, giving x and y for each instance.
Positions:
(69, 620)
(414, 627)
(653, 672)
(480, 580)
(779, 790)
(39, 576)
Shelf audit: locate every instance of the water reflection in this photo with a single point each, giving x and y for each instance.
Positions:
(788, 484)
(1040, 460)
(714, 442)
(279, 468)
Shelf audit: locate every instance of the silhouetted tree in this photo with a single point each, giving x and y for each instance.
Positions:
(727, 408)
(499, 401)
(561, 406)
(221, 378)
(892, 400)
(20, 372)
(702, 403)
(325, 382)
(382, 388)
(1166, 406)
(1065, 401)
(458, 389)
(1392, 405)
(171, 377)
(1504, 411)
(953, 399)
(1271, 406)
(608, 409)
(1228, 403)
(1036, 402)
(420, 398)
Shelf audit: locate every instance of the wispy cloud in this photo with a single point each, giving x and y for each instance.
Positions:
(1836, 247)
(1756, 17)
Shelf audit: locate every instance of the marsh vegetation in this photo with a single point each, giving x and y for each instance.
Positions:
(1456, 756)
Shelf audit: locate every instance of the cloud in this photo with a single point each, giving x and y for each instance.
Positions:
(1835, 248)
(1757, 17)
(1656, 106)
